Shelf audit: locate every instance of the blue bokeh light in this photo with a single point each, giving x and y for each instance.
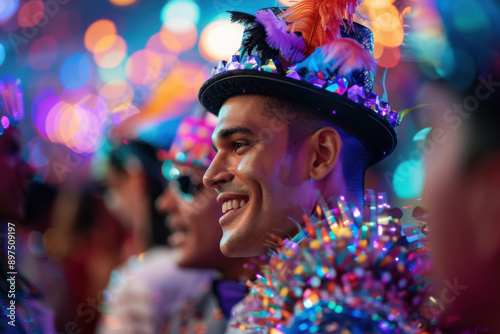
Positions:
(409, 178)
(2, 54)
(75, 71)
(8, 8)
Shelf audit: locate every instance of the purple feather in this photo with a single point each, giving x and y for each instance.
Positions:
(291, 46)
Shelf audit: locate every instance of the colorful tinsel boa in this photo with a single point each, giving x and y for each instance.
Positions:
(345, 272)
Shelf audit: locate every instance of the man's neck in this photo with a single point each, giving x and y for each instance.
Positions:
(235, 269)
(335, 185)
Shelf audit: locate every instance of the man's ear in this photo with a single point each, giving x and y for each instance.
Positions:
(485, 207)
(326, 144)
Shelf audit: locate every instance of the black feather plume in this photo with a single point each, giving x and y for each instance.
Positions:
(242, 18)
(254, 37)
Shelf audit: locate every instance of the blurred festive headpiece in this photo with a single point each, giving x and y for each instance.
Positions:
(314, 54)
(192, 144)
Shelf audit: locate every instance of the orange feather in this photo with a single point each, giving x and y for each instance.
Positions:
(319, 21)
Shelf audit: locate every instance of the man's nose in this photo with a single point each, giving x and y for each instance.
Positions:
(166, 202)
(217, 173)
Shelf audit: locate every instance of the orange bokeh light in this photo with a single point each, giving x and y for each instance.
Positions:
(31, 13)
(219, 40)
(178, 42)
(96, 32)
(122, 3)
(388, 29)
(110, 51)
(390, 57)
(143, 67)
(116, 91)
(378, 50)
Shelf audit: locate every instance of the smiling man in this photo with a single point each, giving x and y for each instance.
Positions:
(297, 119)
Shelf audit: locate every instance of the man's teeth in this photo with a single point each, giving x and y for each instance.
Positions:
(232, 204)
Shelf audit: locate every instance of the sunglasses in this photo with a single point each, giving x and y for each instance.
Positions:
(183, 181)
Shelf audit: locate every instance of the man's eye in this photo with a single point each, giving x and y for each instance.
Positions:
(237, 145)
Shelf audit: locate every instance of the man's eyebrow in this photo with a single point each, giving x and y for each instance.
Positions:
(228, 132)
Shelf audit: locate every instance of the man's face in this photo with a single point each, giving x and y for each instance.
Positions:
(193, 222)
(14, 176)
(259, 183)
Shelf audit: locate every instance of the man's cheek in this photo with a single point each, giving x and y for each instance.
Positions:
(254, 167)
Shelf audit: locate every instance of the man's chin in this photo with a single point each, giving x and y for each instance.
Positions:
(240, 248)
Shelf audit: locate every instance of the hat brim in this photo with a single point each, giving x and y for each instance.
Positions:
(373, 129)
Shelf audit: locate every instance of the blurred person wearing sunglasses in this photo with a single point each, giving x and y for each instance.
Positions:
(22, 311)
(192, 288)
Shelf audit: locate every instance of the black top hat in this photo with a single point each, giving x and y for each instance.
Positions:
(327, 66)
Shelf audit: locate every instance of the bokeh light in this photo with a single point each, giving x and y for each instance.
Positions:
(5, 122)
(79, 126)
(112, 75)
(430, 44)
(177, 42)
(73, 96)
(471, 21)
(143, 67)
(38, 157)
(43, 53)
(386, 23)
(390, 57)
(43, 102)
(155, 44)
(115, 91)
(464, 70)
(180, 15)
(110, 51)
(2, 54)
(122, 3)
(220, 39)
(409, 178)
(75, 71)
(96, 31)
(123, 111)
(422, 134)
(31, 13)
(7, 9)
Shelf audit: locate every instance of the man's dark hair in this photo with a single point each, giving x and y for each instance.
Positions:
(302, 122)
